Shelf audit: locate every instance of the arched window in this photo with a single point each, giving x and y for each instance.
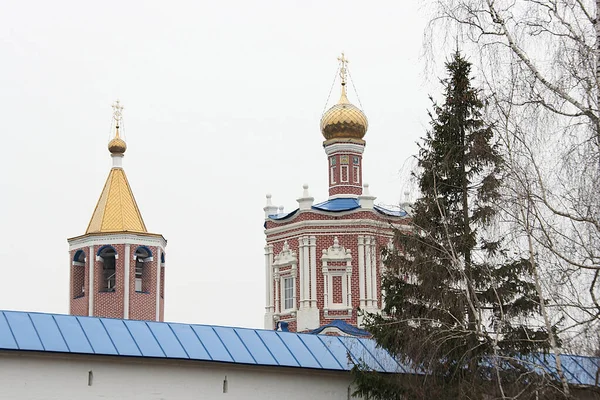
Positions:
(78, 274)
(142, 256)
(108, 257)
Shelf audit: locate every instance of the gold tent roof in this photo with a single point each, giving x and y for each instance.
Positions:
(116, 210)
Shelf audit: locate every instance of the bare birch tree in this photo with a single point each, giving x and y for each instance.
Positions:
(540, 63)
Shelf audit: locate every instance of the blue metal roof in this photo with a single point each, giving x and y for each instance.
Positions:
(398, 212)
(283, 216)
(105, 336)
(337, 205)
(29, 331)
(342, 326)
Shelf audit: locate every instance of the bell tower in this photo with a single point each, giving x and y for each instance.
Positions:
(117, 266)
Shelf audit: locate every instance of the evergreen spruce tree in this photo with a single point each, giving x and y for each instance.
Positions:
(456, 305)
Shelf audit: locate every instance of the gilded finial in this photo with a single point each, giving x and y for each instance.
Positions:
(117, 145)
(343, 77)
(343, 70)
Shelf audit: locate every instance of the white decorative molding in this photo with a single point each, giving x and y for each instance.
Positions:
(158, 267)
(126, 275)
(306, 201)
(91, 283)
(286, 258)
(116, 238)
(344, 148)
(328, 233)
(342, 257)
(78, 263)
(269, 288)
(378, 224)
(345, 184)
(365, 199)
(269, 209)
(117, 160)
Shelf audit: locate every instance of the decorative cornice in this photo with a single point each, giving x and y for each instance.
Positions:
(344, 148)
(117, 238)
(335, 223)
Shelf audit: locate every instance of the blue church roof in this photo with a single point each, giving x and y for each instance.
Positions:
(55, 333)
(342, 326)
(337, 205)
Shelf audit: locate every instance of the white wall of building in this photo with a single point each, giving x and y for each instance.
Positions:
(28, 375)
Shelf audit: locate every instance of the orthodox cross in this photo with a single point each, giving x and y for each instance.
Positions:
(117, 112)
(343, 70)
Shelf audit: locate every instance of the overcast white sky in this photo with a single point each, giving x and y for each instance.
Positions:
(222, 105)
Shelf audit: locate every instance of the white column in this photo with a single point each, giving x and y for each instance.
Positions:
(92, 262)
(349, 288)
(361, 270)
(302, 271)
(368, 271)
(374, 271)
(313, 272)
(126, 272)
(158, 268)
(306, 256)
(277, 294)
(381, 272)
(326, 283)
(269, 280)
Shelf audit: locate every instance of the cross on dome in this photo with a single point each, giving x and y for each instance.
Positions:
(117, 112)
(343, 68)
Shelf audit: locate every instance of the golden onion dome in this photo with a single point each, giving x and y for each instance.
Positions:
(117, 145)
(344, 121)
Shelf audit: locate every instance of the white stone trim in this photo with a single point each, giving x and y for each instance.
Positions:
(343, 196)
(269, 276)
(361, 271)
(335, 148)
(344, 184)
(329, 232)
(91, 282)
(126, 272)
(374, 294)
(336, 253)
(116, 238)
(335, 222)
(313, 271)
(78, 263)
(342, 180)
(158, 269)
(286, 258)
(117, 160)
(356, 168)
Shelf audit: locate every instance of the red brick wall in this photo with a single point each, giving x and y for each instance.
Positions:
(347, 185)
(142, 306)
(323, 241)
(336, 289)
(109, 304)
(78, 303)
(162, 295)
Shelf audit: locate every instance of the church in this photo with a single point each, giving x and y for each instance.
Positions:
(322, 264)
